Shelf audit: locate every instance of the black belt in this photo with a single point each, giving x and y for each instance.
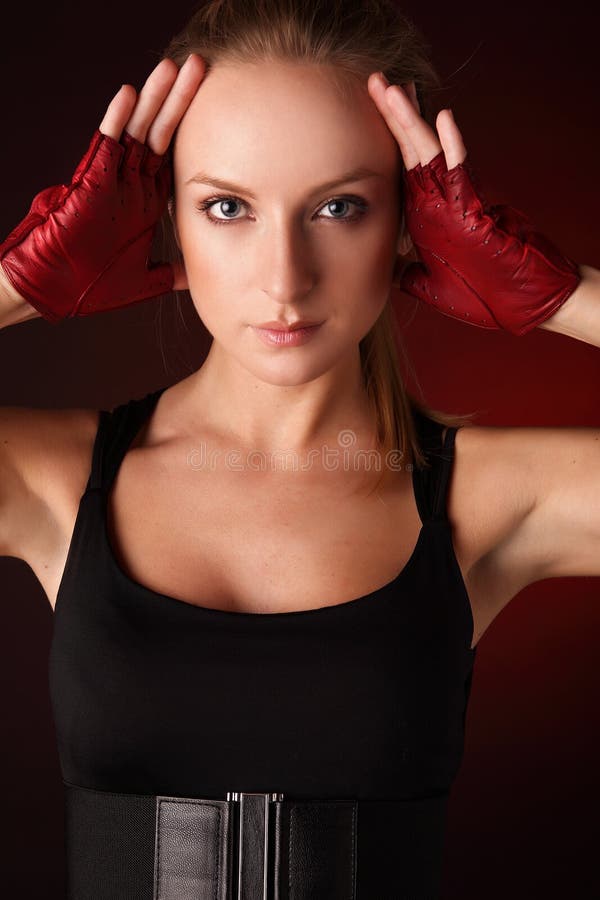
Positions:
(251, 846)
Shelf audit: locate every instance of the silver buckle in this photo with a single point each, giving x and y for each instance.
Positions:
(252, 842)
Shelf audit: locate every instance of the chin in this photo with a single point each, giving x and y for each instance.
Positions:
(289, 373)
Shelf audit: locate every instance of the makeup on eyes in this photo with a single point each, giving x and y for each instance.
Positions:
(359, 203)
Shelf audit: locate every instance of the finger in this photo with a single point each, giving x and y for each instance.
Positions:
(171, 112)
(134, 153)
(377, 91)
(411, 90)
(151, 97)
(450, 138)
(118, 112)
(421, 136)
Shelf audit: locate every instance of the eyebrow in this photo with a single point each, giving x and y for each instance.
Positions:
(358, 174)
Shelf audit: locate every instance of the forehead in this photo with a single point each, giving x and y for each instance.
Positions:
(269, 117)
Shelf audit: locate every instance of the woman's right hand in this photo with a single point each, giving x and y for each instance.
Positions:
(84, 248)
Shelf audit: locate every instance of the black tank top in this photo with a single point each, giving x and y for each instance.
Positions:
(362, 700)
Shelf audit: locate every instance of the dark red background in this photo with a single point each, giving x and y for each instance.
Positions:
(523, 82)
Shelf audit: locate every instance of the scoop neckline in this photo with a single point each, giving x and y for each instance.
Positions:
(152, 399)
(235, 614)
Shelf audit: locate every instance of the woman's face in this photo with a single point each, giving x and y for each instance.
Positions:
(276, 244)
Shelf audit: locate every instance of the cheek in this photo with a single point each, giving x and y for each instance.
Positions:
(371, 291)
(371, 279)
(218, 314)
(216, 278)
(369, 311)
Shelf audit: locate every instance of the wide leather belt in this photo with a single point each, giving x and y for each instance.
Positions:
(251, 846)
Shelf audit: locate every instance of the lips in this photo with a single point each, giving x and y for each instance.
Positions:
(293, 326)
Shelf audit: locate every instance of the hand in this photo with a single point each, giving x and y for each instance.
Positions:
(85, 248)
(486, 266)
(155, 116)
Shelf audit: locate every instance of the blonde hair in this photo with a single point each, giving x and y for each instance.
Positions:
(355, 38)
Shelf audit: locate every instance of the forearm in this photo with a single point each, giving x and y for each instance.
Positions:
(579, 316)
(13, 308)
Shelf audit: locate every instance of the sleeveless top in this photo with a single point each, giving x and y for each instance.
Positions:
(366, 699)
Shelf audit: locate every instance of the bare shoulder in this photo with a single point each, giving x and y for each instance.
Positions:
(45, 458)
(491, 485)
(491, 497)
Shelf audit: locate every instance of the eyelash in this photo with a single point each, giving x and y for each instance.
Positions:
(361, 205)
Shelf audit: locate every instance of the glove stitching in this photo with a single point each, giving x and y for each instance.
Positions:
(110, 263)
(42, 219)
(467, 285)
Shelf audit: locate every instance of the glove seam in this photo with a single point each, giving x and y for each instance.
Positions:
(110, 263)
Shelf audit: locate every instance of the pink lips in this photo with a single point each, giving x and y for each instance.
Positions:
(283, 326)
(286, 338)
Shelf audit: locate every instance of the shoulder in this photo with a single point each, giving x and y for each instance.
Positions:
(516, 471)
(45, 458)
(523, 505)
(37, 443)
(489, 498)
(491, 491)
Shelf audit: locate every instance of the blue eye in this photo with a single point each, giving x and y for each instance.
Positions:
(360, 205)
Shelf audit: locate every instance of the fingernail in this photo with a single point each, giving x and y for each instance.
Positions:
(451, 114)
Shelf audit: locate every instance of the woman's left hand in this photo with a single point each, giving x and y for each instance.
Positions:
(485, 266)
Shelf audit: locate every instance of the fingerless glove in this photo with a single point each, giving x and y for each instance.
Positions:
(486, 266)
(84, 248)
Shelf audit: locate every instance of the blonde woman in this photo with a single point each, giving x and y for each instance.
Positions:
(269, 579)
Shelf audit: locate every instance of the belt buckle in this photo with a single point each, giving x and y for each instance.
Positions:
(254, 843)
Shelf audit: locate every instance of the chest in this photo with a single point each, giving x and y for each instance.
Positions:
(268, 544)
(280, 544)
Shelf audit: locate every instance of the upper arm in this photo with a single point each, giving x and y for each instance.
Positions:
(44, 457)
(557, 529)
(564, 537)
(18, 506)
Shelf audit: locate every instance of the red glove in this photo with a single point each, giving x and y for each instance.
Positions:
(85, 248)
(487, 267)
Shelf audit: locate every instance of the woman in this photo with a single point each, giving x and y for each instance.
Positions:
(273, 704)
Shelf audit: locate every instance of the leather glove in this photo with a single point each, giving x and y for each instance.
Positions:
(84, 248)
(485, 266)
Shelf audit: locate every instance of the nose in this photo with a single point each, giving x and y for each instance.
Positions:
(288, 273)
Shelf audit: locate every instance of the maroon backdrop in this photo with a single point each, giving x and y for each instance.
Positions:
(522, 81)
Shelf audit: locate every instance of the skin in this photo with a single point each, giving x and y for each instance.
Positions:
(282, 255)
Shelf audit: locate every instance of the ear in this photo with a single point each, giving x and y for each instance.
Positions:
(403, 249)
(405, 244)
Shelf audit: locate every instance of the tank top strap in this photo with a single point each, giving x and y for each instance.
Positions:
(431, 483)
(116, 430)
(445, 458)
